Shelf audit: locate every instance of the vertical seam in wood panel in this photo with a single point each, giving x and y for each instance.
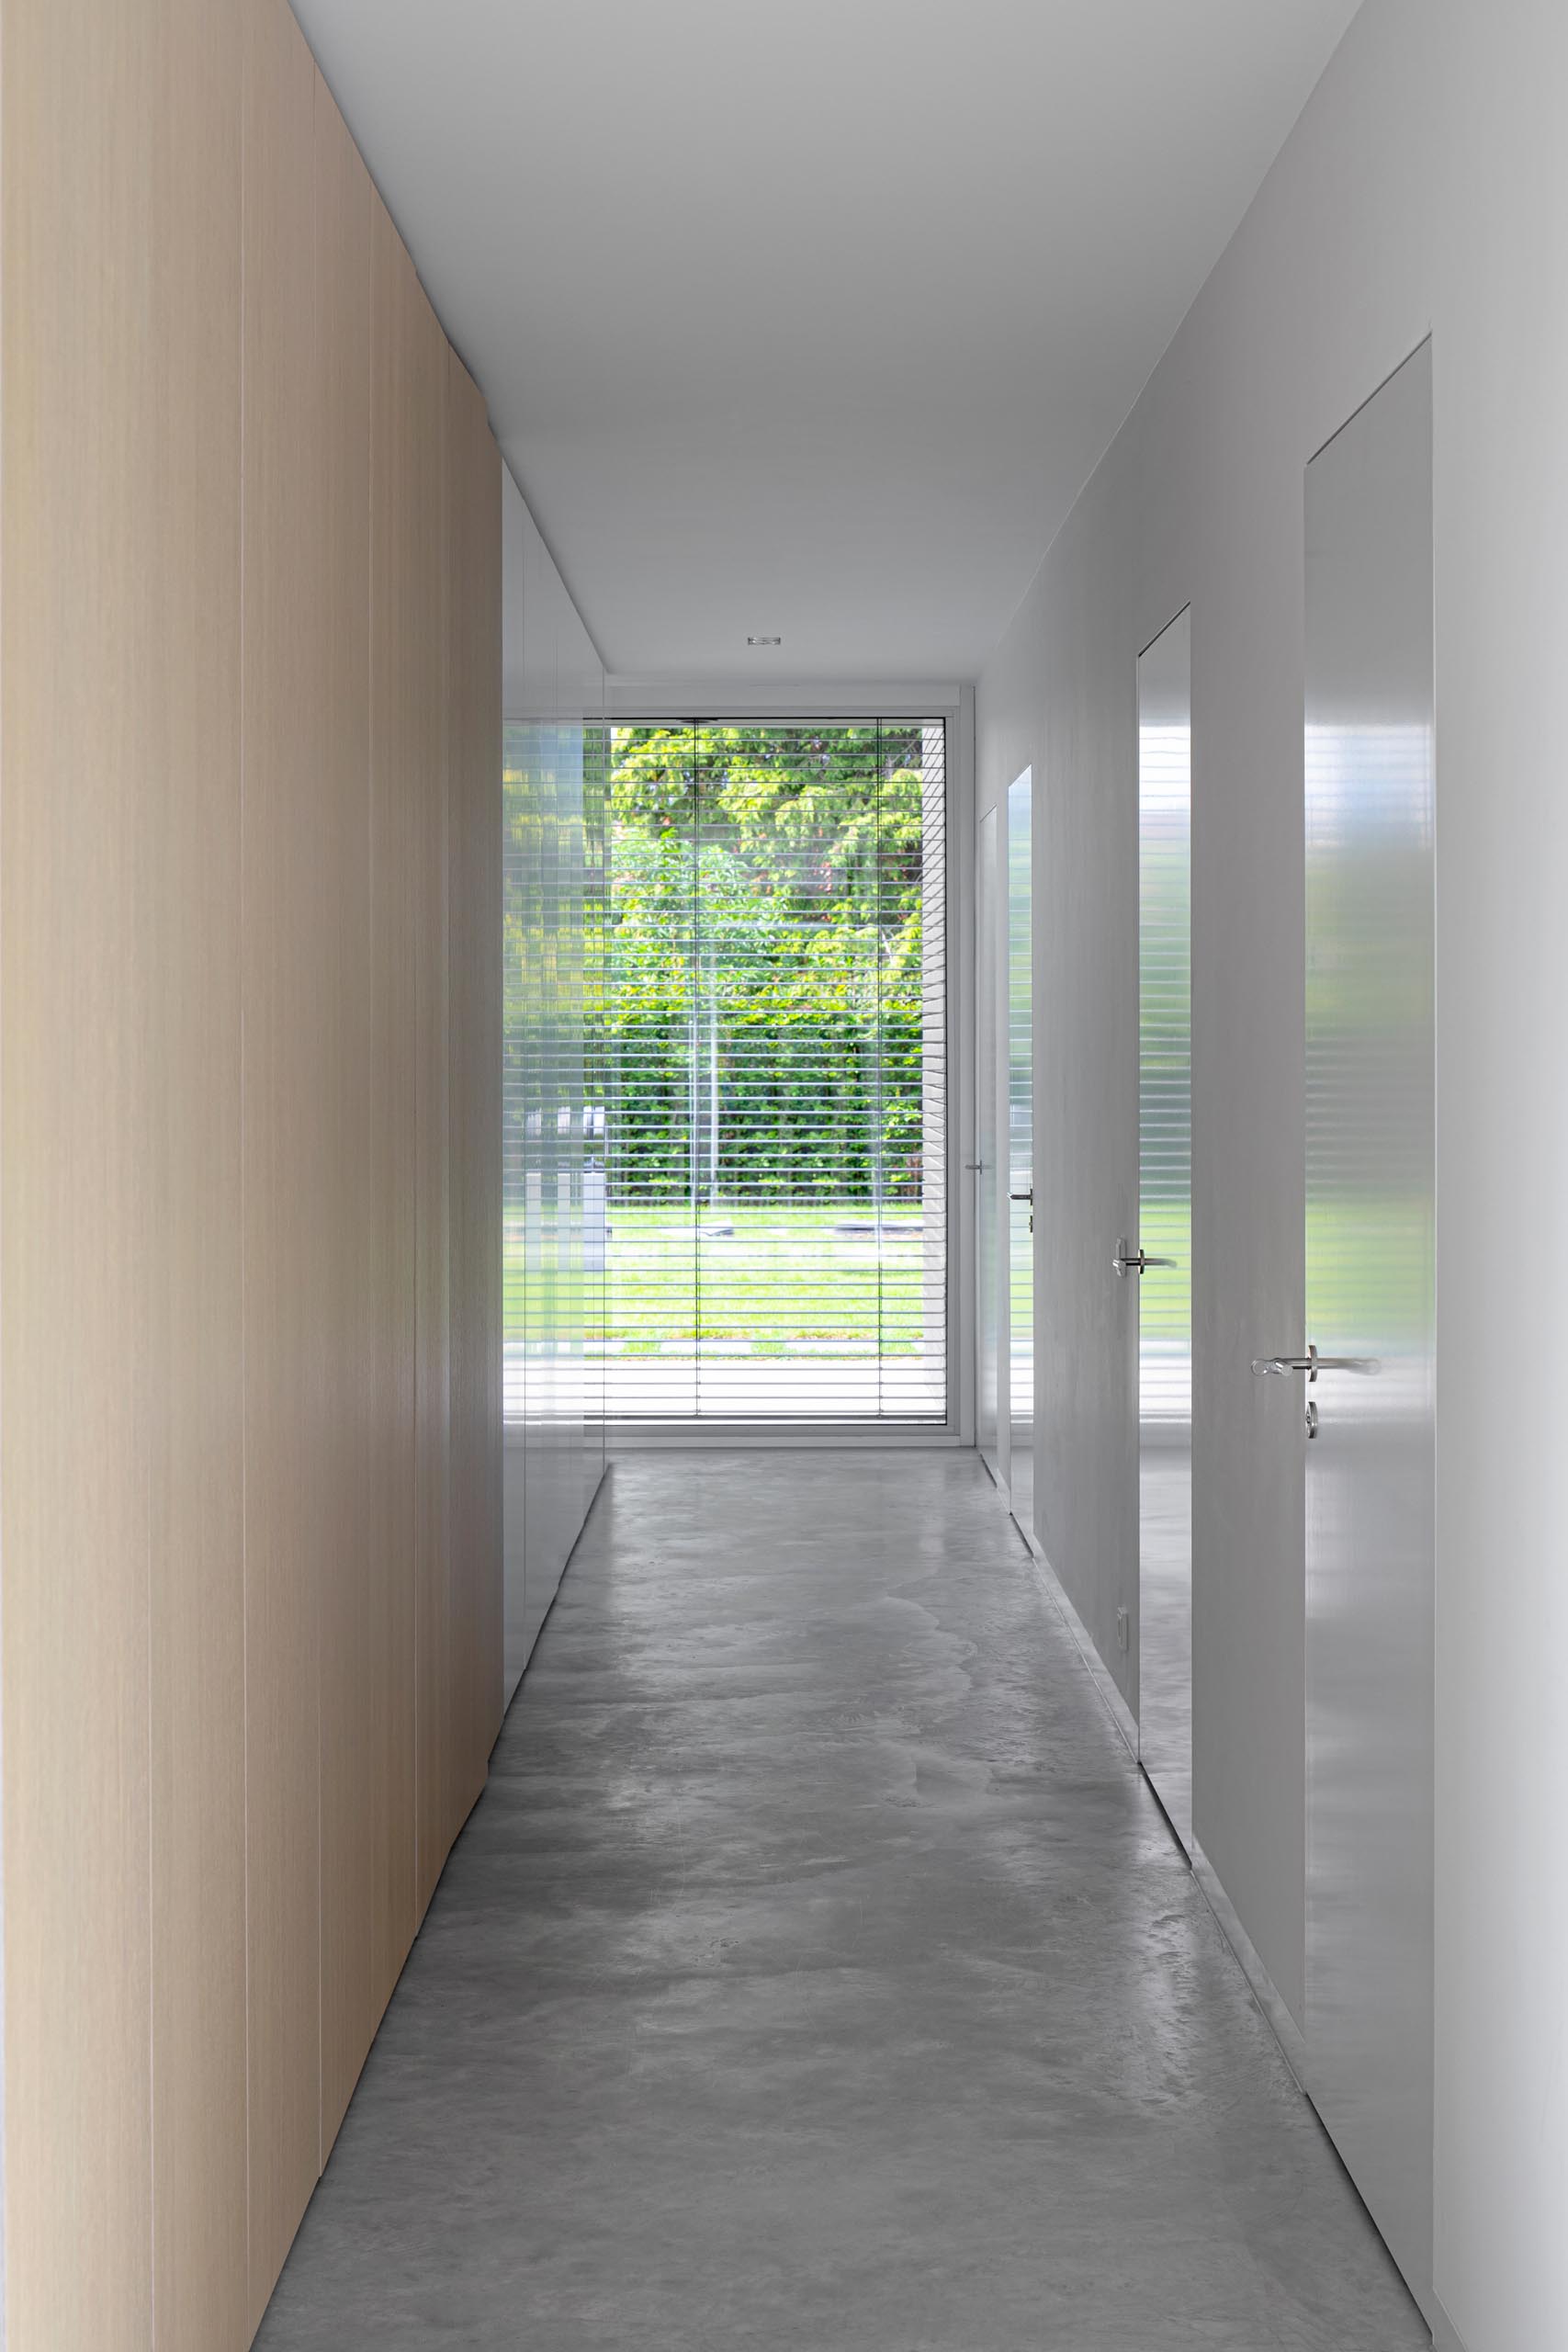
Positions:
(420, 1560)
(244, 1336)
(411, 900)
(239, 968)
(451, 506)
(371, 735)
(442, 962)
(318, 428)
(5, 2295)
(145, 1443)
(151, 1952)
(442, 1107)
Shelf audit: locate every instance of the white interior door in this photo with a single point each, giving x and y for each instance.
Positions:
(987, 1145)
(1367, 1400)
(1161, 1258)
(1020, 1155)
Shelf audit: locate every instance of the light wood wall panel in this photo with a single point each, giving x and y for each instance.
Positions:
(250, 1445)
(399, 563)
(287, 1017)
(424, 679)
(473, 704)
(189, 836)
(119, 1454)
(79, 740)
(355, 1693)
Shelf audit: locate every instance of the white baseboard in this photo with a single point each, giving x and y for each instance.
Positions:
(1287, 2032)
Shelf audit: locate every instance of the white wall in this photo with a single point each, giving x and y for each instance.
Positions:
(1425, 187)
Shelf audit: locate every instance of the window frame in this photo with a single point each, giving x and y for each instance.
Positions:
(953, 708)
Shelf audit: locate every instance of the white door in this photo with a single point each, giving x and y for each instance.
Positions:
(1366, 1397)
(1020, 1157)
(987, 1147)
(1161, 1256)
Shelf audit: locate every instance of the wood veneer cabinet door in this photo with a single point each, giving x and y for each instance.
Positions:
(424, 656)
(474, 766)
(76, 748)
(118, 1263)
(191, 844)
(285, 930)
(399, 559)
(249, 999)
(356, 1681)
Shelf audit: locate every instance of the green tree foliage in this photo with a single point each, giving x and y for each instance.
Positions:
(765, 922)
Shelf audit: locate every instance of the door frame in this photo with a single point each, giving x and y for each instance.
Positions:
(989, 1143)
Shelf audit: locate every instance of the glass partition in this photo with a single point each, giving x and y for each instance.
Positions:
(553, 1090)
(1165, 1219)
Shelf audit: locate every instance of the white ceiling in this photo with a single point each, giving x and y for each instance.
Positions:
(813, 318)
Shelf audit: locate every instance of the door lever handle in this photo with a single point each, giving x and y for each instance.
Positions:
(1129, 1261)
(1312, 1363)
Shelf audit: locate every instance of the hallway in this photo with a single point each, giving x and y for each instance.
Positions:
(817, 1970)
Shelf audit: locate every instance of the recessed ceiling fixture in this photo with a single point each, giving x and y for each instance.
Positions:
(764, 640)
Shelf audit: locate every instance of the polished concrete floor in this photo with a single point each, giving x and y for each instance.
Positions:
(818, 1971)
(1165, 1626)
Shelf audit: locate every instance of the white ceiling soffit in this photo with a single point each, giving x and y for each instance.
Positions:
(811, 321)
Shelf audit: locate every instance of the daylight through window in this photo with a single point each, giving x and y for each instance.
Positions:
(775, 1056)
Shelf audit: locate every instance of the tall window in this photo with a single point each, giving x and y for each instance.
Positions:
(1165, 1027)
(776, 1046)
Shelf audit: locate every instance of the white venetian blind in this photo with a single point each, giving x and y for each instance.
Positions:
(1165, 1059)
(776, 1026)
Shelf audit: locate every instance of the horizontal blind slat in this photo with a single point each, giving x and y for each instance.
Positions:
(778, 1192)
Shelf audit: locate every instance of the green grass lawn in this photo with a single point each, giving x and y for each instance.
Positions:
(784, 1277)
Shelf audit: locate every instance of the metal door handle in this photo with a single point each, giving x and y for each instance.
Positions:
(1312, 1363)
(1129, 1261)
(1028, 1196)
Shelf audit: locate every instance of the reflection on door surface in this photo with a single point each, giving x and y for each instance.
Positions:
(1164, 1255)
(1370, 1463)
(1020, 1158)
(987, 1262)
